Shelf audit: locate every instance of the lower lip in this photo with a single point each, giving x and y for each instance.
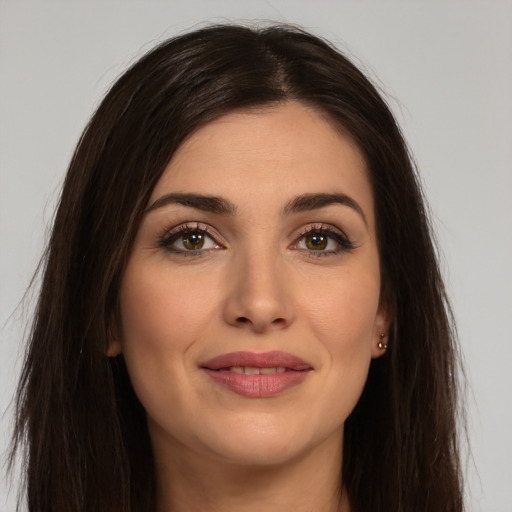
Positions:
(258, 386)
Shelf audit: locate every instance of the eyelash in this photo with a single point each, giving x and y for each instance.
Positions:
(171, 236)
(344, 243)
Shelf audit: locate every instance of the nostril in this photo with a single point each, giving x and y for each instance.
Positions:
(245, 320)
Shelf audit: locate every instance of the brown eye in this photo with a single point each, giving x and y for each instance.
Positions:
(316, 241)
(193, 241)
(323, 241)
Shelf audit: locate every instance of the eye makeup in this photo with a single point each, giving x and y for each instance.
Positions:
(199, 239)
(321, 240)
(190, 239)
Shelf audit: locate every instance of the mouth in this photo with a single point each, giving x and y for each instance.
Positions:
(257, 375)
(253, 370)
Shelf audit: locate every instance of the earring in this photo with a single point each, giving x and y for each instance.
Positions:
(381, 344)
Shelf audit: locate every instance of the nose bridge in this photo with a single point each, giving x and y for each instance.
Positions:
(258, 292)
(261, 275)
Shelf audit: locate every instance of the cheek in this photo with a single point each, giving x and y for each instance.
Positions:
(160, 309)
(343, 319)
(344, 315)
(148, 309)
(162, 316)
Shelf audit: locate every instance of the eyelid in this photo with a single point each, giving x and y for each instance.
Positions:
(169, 234)
(320, 226)
(330, 230)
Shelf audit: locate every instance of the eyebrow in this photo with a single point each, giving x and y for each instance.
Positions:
(219, 205)
(307, 202)
(212, 204)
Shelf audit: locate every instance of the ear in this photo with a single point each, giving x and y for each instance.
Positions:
(114, 348)
(380, 338)
(114, 339)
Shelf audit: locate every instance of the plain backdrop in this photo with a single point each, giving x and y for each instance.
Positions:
(446, 69)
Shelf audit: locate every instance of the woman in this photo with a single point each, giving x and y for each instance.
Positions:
(241, 305)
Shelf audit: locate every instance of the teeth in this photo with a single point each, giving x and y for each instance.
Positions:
(252, 370)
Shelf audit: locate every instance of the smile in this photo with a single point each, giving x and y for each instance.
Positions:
(254, 370)
(257, 375)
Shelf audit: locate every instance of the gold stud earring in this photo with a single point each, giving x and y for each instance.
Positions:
(381, 344)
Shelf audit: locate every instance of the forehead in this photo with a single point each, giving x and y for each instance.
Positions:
(272, 153)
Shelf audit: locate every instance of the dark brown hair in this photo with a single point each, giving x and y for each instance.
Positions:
(83, 429)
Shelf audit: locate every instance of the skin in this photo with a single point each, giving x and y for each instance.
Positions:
(256, 285)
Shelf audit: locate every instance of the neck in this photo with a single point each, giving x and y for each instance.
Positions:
(192, 482)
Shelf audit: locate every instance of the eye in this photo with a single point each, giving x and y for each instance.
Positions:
(317, 241)
(189, 239)
(323, 240)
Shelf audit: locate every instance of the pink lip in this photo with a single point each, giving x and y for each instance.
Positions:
(259, 385)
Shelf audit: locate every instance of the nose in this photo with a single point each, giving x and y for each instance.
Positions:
(258, 296)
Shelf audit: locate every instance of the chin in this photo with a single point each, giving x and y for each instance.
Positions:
(259, 452)
(261, 441)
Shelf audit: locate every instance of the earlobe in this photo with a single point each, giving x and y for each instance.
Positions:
(114, 348)
(380, 342)
(382, 345)
(114, 340)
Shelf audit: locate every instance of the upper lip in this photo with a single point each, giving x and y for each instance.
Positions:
(270, 359)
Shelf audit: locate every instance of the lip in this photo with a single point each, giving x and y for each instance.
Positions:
(257, 385)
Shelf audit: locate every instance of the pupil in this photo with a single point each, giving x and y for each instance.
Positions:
(316, 241)
(194, 240)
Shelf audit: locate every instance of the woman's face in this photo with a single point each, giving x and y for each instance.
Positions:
(250, 303)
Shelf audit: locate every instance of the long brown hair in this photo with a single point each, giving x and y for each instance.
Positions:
(79, 422)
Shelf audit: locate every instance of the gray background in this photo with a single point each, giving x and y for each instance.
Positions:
(447, 70)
